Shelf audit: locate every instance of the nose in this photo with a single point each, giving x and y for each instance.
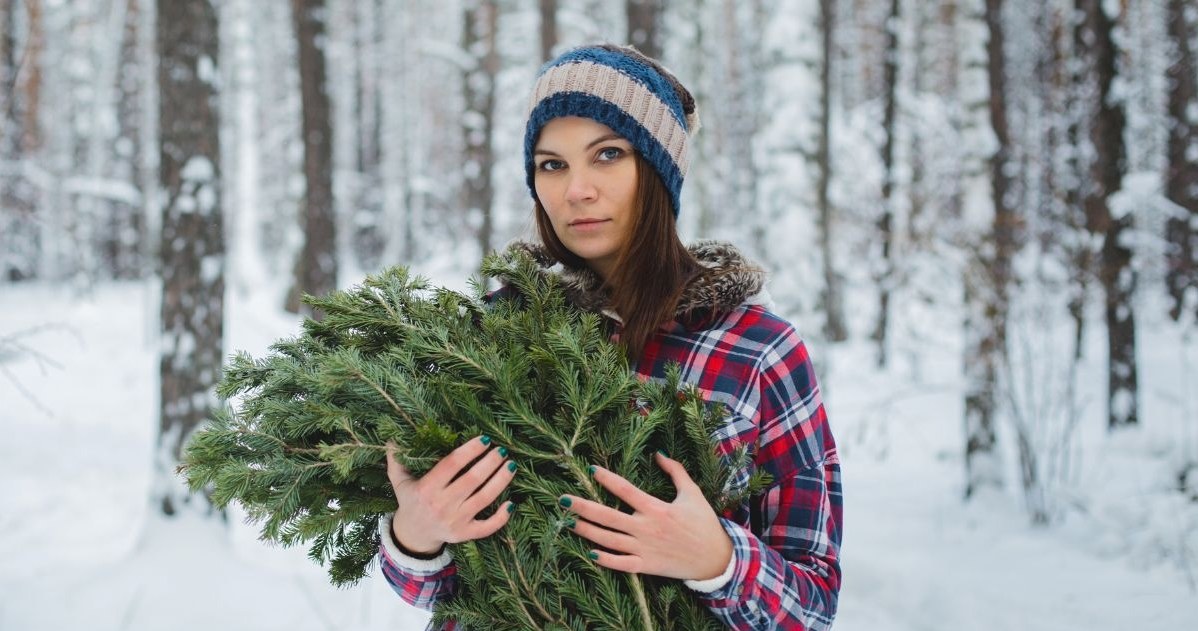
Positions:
(581, 187)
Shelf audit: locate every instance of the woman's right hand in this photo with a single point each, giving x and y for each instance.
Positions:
(442, 505)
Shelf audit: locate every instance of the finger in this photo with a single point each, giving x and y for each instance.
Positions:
(622, 562)
(491, 490)
(395, 471)
(489, 526)
(678, 474)
(444, 471)
(609, 539)
(476, 476)
(626, 491)
(598, 513)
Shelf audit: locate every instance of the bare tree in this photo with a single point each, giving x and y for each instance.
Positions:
(19, 83)
(1181, 180)
(548, 28)
(316, 266)
(886, 221)
(193, 249)
(644, 26)
(833, 301)
(480, 23)
(1106, 169)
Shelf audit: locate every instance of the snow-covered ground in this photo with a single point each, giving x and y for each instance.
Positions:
(80, 547)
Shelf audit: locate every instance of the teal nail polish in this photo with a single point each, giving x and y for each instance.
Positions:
(564, 501)
(502, 452)
(511, 466)
(591, 469)
(511, 507)
(486, 439)
(592, 555)
(663, 453)
(571, 523)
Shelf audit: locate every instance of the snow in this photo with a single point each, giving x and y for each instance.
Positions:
(84, 549)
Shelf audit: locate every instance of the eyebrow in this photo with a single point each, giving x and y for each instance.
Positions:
(594, 142)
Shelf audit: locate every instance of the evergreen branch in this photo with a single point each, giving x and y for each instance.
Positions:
(528, 589)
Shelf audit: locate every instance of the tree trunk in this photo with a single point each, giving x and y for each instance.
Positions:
(992, 279)
(886, 221)
(478, 84)
(316, 267)
(1115, 273)
(18, 221)
(192, 251)
(833, 301)
(644, 26)
(548, 28)
(1181, 179)
(982, 346)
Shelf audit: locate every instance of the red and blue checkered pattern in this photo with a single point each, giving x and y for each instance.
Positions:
(787, 540)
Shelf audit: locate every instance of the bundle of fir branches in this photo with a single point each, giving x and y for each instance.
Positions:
(301, 441)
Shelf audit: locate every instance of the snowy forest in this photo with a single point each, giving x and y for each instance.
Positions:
(982, 216)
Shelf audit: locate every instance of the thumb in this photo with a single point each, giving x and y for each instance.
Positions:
(395, 471)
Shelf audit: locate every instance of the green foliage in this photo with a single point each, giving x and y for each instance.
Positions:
(427, 368)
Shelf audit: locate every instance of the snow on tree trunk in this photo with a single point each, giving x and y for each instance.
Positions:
(885, 272)
(192, 250)
(832, 299)
(479, 27)
(983, 467)
(316, 266)
(1111, 226)
(1181, 179)
(19, 82)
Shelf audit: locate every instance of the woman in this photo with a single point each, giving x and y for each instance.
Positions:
(605, 153)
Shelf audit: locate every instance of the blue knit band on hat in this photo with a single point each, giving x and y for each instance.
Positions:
(622, 92)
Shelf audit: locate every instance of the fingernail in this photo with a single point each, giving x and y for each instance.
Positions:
(592, 555)
(486, 439)
(502, 452)
(564, 501)
(511, 466)
(663, 453)
(571, 523)
(591, 469)
(511, 507)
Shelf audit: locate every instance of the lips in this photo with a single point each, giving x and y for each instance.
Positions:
(587, 222)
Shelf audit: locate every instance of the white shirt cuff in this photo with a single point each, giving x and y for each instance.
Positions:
(713, 584)
(423, 566)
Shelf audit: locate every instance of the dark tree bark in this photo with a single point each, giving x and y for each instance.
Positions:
(644, 26)
(128, 230)
(316, 267)
(1181, 180)
(886, 221)
(548, 28)
(833, 302)
(480, 22)
(988, 287)
(19, 85)
(1106, 170)
(193, 248)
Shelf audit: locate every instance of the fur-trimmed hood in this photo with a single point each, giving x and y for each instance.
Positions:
(731, 280)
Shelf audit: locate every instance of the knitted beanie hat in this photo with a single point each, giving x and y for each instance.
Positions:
(628, 92)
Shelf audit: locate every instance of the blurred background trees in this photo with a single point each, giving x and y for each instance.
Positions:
(896, 166)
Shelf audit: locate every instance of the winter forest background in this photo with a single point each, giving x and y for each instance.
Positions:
(981, 214)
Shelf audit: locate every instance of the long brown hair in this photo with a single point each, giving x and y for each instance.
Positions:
(652, 268)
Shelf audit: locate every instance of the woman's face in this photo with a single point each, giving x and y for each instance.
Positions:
(585, 177)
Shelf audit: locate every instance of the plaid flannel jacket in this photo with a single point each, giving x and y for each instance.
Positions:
(786, 541)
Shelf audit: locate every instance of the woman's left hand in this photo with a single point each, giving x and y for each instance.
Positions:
(680, 539)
